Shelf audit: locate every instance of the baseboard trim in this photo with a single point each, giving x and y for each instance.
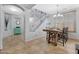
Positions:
(0, 49)
(34, 39)
(74, 39)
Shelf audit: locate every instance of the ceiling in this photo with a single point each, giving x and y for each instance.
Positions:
(46, 8)
(12, 9)
(52, 8)
(16, 8)
(28, 6)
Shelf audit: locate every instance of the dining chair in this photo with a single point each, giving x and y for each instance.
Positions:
(63, 36)
(50, 36)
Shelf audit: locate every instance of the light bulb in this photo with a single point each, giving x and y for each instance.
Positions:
(17, 22)
(59, 14)
(54, 15)
(31, 19)
(62, 15)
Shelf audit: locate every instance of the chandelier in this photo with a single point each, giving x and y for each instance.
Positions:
(58, 14)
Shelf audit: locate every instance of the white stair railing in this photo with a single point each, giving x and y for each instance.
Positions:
(38, 24)
(40, 18)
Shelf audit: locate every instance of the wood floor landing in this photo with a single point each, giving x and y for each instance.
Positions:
(17, 45)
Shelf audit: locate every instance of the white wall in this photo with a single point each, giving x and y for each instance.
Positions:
(76, 34)
(1, 27)
(27, 15)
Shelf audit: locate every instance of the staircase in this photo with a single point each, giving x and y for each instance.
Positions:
(39, 17)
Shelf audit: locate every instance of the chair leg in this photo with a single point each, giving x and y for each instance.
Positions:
(48, 41)
(63, 42)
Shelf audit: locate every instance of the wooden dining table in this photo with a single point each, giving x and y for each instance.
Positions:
(52, 34)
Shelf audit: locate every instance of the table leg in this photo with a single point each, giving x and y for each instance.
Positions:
(49, 37)
(55, 43)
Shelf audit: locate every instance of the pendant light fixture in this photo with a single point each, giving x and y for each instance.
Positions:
(58, 14)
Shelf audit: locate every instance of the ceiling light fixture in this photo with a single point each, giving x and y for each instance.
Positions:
(58, 14)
